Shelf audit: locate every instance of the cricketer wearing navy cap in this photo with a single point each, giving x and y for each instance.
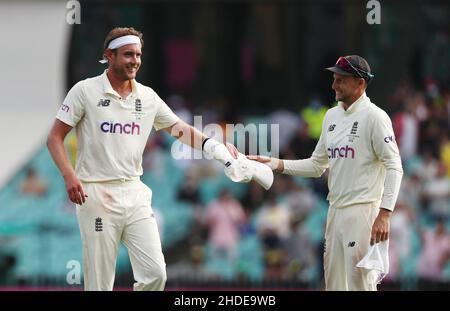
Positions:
(352, 65)
(357, 146)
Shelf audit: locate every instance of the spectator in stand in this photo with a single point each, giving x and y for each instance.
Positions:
(445, 152)
(300, 199)
(406, 129)
(188, 190)
(273, 226)
(400, 239)
(302, 144)
(435, 252)
(437, 194)
(411, 191)
(430, 131)
(254, 197)
(288, 123)
(428, 167)
(299, 250)
(223, 218)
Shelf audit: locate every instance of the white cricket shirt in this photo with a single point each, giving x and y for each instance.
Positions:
(358, 145)
(112, 132)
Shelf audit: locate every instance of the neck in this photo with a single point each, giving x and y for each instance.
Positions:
(346, 104)
(122, 87)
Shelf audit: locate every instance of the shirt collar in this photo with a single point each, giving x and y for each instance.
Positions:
(108, 89)
(357, 105)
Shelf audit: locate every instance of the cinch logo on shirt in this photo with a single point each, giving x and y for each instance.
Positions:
(341, 152)
(119, 128)
(65, 108)
(388, 139)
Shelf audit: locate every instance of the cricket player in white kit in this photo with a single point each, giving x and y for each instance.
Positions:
(113, 116)
(358, 146)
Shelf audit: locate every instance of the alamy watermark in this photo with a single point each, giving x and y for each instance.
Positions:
(250, 138)
(374, 15)
(74, 275)
(73, 15)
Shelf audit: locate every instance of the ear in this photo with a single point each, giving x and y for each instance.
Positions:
(108, 54)
(362, 83)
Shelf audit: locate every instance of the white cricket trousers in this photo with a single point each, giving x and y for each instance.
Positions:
(347, 240)
(114, 212)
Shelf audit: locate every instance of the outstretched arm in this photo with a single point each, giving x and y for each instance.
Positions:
(190, 136)
(312, 167)
(55, 144)
(275, 164)
(237, 167)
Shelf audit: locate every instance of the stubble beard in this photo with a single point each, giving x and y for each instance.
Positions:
(121, 72)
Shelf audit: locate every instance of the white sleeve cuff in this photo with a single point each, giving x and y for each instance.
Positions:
(391, 188)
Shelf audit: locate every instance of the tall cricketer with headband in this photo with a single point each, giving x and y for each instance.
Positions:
(113, 116)
(357, 144)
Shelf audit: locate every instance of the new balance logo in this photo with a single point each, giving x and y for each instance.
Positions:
(354, 128)
(98, 224)
(103, 103)
(138, 105)
(351, 244)
(331, 128)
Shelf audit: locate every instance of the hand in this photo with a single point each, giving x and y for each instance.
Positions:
(75, 189)
(274, 163)
(380, 228)
(232, 149)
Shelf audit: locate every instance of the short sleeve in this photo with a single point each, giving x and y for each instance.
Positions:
(72, 109)
(164, 116)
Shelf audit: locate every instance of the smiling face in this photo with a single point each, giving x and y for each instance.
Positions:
(347, 88)
(125, 61)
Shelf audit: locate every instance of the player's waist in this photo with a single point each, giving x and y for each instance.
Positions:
(339, 205)
(113, 180)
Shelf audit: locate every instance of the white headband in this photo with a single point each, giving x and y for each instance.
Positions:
(119, 42)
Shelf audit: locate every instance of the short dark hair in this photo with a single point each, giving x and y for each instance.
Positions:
(120, 32)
